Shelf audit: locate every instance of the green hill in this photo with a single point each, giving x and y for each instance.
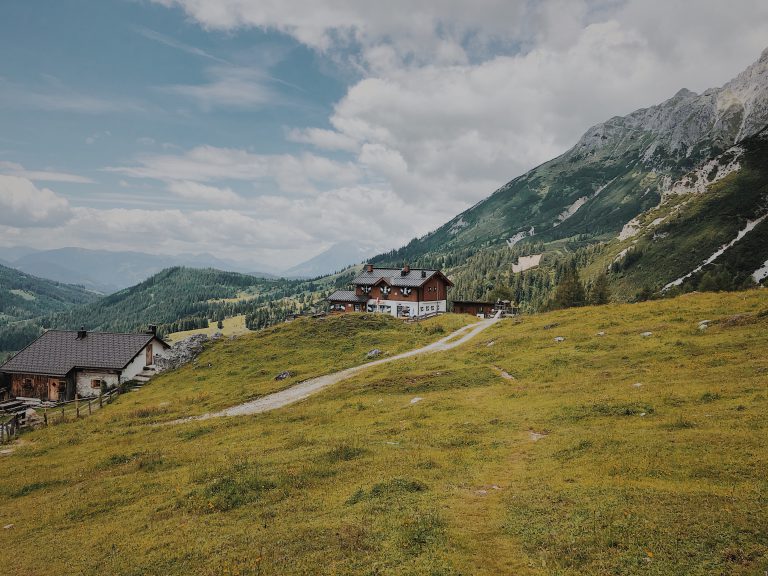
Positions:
(176, 298)
(601, 454)
(23, 297)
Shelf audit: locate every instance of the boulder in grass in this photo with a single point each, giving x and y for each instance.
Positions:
(284, 375)
(374, 353)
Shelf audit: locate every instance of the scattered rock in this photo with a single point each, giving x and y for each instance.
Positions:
(393, 443)
(373, 353)
(704, 324)
(601, 333)
(646, 334)
(490, 343)
(8, 526)
(284, 375)
(535, 436)
(550, 326)
(217, 335)
(637, 385)
(417, 399)
(481, 492)
(642, 413)
(6, 451)
(183, 352)
(495, 487)
(559, 339)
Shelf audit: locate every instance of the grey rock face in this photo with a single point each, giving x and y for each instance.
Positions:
(183, 352)
(688, 123)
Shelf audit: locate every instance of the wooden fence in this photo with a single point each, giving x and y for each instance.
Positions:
(79, 407)
(11, 424)
(9, 427)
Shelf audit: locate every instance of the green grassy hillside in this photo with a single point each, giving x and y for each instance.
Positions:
(176, 299)
(612, 454)
(24, 297)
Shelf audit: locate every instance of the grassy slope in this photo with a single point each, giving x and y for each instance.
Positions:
(234, 326)
(358, 480)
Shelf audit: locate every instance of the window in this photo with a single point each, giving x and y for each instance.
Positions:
(28, 385)
(96, 383)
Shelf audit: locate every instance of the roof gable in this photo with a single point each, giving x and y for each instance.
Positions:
(414, 278)
(57, 352)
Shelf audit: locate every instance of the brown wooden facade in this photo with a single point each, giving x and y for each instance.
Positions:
(50, 388)
(473, 307)
(433, 289)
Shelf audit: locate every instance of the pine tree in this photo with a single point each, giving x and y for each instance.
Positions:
(569, 291)
(599, 292)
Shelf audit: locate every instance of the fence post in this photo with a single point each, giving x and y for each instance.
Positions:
(101, 398)
(62, 412)
(89, 406)
(77, 407)
(45, 416)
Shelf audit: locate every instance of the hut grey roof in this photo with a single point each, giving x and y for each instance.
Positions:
(395, 277)
(346, 296)
(57, 352)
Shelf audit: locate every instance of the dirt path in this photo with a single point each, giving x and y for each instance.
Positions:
(309, 387)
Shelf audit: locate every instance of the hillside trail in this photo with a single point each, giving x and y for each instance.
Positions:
(312, 386)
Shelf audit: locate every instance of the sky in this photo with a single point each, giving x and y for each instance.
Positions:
(267, 131)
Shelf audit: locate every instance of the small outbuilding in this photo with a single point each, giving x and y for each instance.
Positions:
(474, 307)
(63, 363)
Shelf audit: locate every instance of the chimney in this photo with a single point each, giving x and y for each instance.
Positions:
(82, 333)
(423, 273)
(406, 270)
(369, 268)
(152, 329)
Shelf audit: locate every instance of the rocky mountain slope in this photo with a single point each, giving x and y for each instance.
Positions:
(617, 170)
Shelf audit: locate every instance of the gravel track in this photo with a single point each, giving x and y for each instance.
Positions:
(312, 386)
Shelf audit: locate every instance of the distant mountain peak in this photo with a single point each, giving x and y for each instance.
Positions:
(684, 93)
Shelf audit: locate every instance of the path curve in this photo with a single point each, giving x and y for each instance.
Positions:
(312, 386)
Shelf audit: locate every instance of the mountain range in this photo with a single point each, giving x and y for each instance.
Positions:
(621, 171)
(107, 271)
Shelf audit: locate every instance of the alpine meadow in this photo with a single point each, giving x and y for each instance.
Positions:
(351, 288)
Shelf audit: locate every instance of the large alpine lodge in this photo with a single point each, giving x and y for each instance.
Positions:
(402, 292)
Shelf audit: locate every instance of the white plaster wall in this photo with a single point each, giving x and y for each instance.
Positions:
(83, 382)
(417, 308)
(432, 307)
(138, 363)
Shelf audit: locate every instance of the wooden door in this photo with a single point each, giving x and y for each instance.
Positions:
(53, 390)
(150, 357)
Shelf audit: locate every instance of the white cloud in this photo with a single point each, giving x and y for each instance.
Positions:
(22, 204)
(203, 193)
(14, 169)
(457, 98)
(293, 174)
(228, 86)
(55, 96)
(323, 139)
